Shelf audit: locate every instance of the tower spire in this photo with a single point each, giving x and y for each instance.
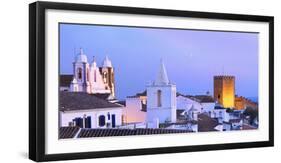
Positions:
(107, 62)
(81, 51)
(162, 77)
(94, 64)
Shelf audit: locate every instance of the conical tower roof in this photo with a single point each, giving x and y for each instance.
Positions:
(81, 57)
(107, 62)
(162, 77)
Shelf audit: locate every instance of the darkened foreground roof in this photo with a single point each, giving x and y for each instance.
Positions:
(126, 132)
(68, 132)
(65, 80)
(206, 123)
(82, 101)
(86, 133)
(248, 127)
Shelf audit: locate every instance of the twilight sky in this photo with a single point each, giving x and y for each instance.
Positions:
(191, 57)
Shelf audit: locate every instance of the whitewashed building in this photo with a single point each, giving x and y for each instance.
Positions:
(88, 111)
(219, 113)
(190, 105)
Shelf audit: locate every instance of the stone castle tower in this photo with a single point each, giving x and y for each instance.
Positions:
(224, 90)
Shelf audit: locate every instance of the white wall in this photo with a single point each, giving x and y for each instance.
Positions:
(167, 92)
(68, 116)
(14, 79)
(208, 106)
(167, 110)
(187, 103)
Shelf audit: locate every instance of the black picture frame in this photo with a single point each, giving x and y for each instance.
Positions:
(37, 79)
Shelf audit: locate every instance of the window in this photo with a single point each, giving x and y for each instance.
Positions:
(88, 122)
(113, 120)
(79, 73)
(78, 122)
(108, 116)
(101, 120)
(159, 100)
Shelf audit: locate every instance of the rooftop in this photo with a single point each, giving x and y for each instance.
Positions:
(248, 127)
(138, 94)
(126, 132)
(82, 101)
(204, 98)
(65, 80)
(70, 132)
(198, 98)
(105, 96)
(206, 123)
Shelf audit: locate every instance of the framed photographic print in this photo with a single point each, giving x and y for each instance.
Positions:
(109, 81)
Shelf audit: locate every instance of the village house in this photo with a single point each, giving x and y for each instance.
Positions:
(88, 111)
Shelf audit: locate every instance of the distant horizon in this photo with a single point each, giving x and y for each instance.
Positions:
(191, 57)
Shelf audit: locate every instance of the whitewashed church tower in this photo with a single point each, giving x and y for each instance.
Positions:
(107, 72)
(90, 78)
(161, 99)
(96, 80)
(80, 81)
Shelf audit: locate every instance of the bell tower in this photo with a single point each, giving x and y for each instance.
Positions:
(161, 99)
(107, 72)
(81, 73)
